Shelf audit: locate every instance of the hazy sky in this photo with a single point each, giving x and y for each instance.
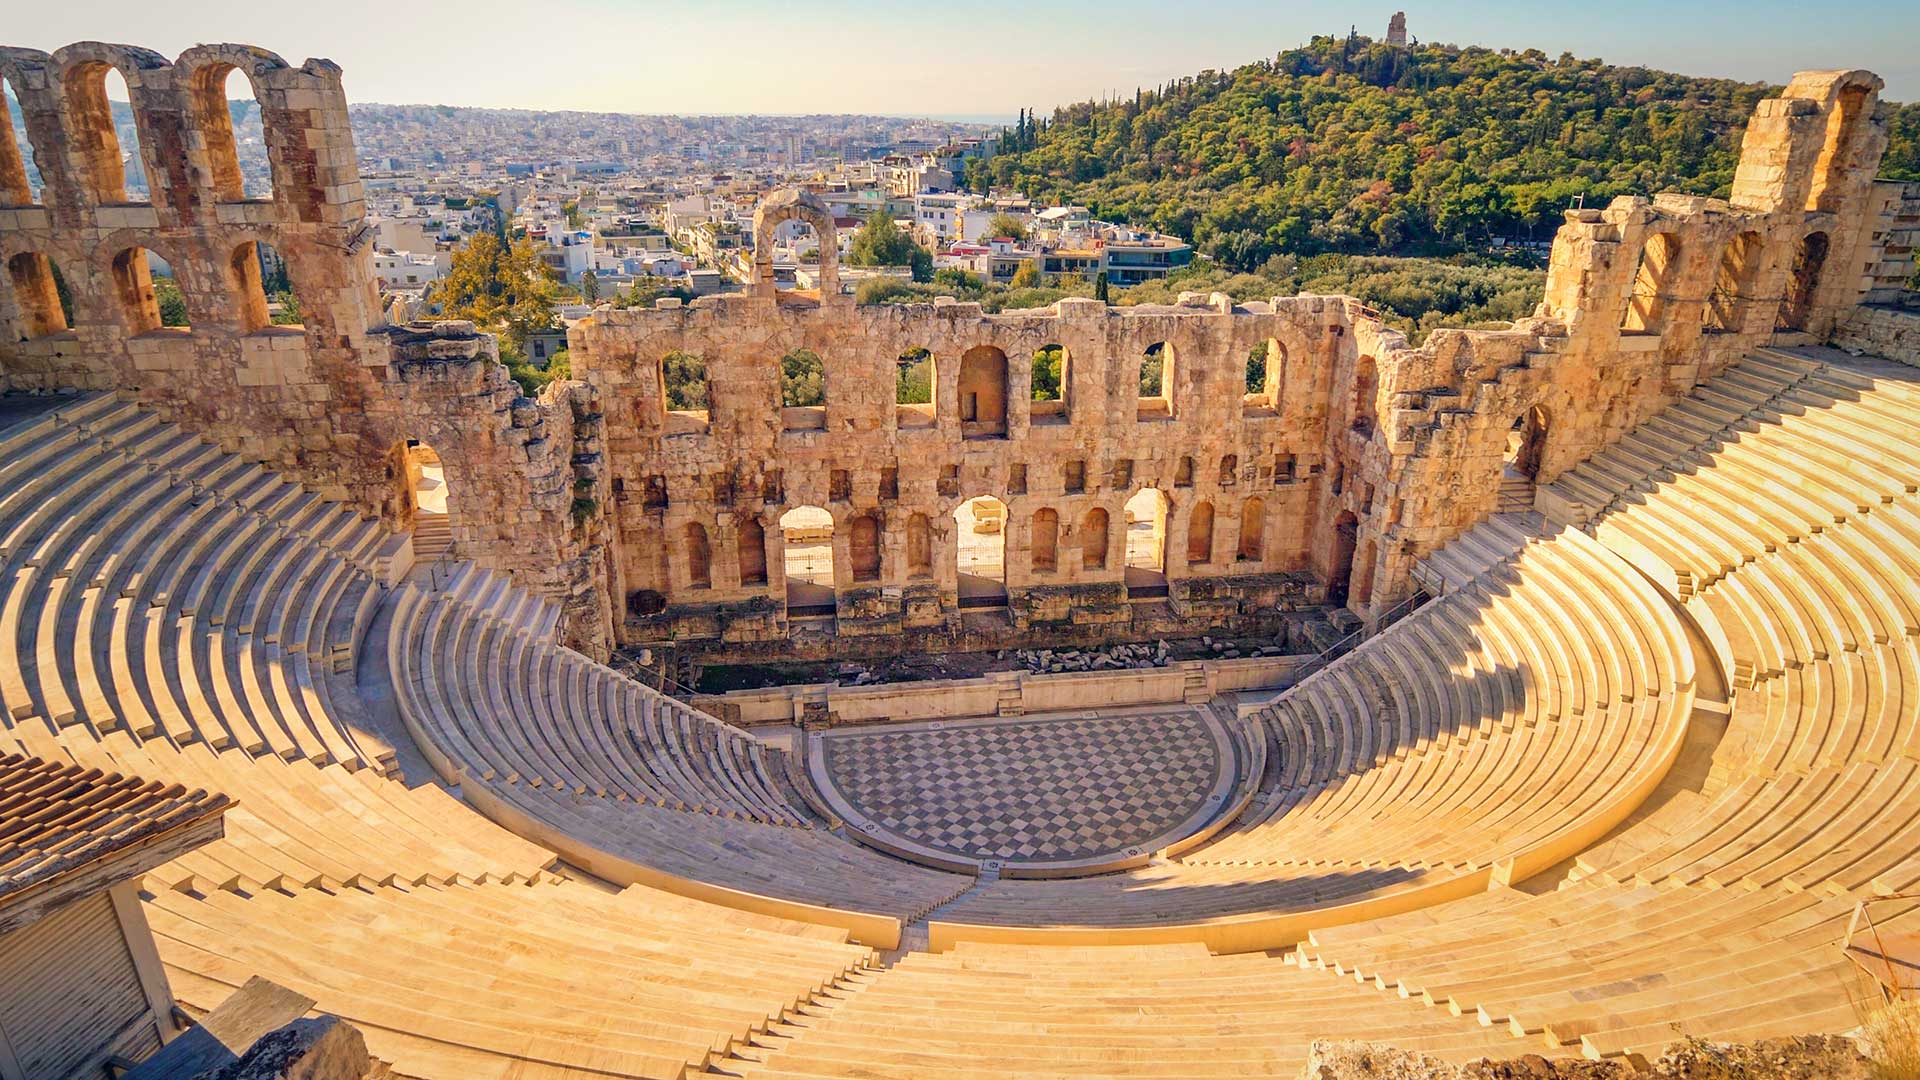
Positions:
(983, 57)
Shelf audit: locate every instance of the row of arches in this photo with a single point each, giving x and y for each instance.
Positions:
(983, 388)
(148, 296)
(807, 540)
(1734, 287)
(103, 124)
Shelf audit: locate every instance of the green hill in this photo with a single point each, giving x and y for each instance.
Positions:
(1348, 145)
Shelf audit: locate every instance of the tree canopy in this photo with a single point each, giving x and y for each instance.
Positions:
(1348, 145)
(880, 242)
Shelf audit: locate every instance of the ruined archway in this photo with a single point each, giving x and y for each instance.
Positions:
(1803, 282)
(114, 172)
(806, 534)
(425, 478)
(980, 552)
(794, 205)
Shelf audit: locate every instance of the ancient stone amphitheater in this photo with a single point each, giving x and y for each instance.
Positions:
(1646, 753)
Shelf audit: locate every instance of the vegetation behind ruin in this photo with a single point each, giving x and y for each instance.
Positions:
(1349, 145)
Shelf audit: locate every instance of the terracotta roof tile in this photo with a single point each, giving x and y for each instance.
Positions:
(56, 818)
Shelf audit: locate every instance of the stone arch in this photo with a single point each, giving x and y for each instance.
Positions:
(1733, 283)
(1044, 544)
(206, 71)
(1253, 531)
(699, 552)
(1850, 111)
(791, 204)
(919, 547)
(1183, 472)
(807, 561)
(980, 551)
(134, 288)
(36, 295)
(83, 71)
(1346, 535)
(1653, 278)
(427, 497)
(1803, 281)
(1200, 533)
(750, 544)
(15, 186)
(982, 393)
(1366, 392)
(1094, 539)
(1050, 385)
(1155, 382)
(863, 546)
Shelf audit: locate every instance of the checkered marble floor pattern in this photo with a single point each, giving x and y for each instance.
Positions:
(1030, 791)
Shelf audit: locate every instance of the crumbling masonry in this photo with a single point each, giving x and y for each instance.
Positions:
(1357, 457)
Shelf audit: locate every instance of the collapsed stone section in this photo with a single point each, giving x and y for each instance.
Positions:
(1352, 458)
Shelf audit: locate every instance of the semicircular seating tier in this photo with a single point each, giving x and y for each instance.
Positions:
(627, 782)
(1488, 735)
(1779, 500)
(172, 612)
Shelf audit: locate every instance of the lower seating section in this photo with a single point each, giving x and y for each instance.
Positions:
(1165, 1012)
(523, 981)
(619, 778)
(1718, 912)
(1494, 732)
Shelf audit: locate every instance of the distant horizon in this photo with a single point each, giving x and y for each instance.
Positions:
(835, 57)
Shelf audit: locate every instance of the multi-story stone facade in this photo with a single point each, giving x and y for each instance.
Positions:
(1356, 457)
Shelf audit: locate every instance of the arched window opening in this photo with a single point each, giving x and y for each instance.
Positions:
(149, 298)
(1156, 383)
(751, 542)
(919, 547)
(1346, 533)
(1147, 513)
(803, 391)
(913, 389)
(101, 122)
(1050, 385)
(863, 547)
(1094, 540)
(19, 173)
(1183, 472)
(699, 556)
(263, 294)
(684, 393)
(1733, 284)
(38, 294)
(227, 115)
(1803, 282)
(1045, 544)
(1266, 365)
(425, 478)
(980, 555)
(1200, 534)
(1229, 469)
(1647, 300)
(1253, 531)
(807, 555)
(1366, 393)
(982, 393)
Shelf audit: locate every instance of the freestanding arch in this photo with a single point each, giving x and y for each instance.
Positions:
(791, 204)
(1803, 282)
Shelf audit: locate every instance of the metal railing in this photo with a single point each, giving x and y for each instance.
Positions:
(1354, 640)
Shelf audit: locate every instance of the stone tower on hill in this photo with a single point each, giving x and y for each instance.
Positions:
(1397, 29)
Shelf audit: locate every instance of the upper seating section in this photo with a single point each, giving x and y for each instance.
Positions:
(1490, 734)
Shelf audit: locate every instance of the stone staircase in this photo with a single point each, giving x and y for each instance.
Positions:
(1494, 541)
(432, 536)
